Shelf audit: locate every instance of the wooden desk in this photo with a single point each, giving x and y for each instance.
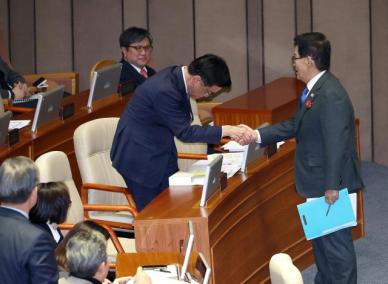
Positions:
(58, 135)
(127, 263)
(271, 103)
(242, 227)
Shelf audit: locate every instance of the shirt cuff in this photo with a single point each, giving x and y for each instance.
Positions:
(258, 137)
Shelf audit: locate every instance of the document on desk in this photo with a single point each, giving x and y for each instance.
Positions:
(13, 124)
(318, 218)
(231, 164)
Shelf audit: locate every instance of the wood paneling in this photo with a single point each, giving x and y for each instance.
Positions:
(346, 24)
(380, 82)
(22, 35)
(279, 31)
(134, 14)
(97, 27)
(217, 33)
(4, 30)
(171, 25)
(54, 40)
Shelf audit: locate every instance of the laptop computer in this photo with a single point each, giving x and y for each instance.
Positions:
(5, 118)
(212, 180)
(48, 107)
(252, 152)
(105, 82)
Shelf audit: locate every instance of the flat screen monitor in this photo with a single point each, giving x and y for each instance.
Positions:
(252, 152)
(5, 118)
(189, 249)
(212, 180)
(48, 107)
(105, 82)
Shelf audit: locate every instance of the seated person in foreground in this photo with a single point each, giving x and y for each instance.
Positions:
(51, 208)
(27, 252)
(136, 48)
(87, 260)
(12, 84)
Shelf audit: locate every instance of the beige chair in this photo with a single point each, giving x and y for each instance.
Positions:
(100, 64)
(283, 271)
(92, 144)
(184, 161)
(55, 166)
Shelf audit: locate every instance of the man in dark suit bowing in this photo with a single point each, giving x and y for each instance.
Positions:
(27, 252)
(143, 149)
(325, 158)
(136, 48)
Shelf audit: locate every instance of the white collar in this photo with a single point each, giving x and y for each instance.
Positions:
(184, 79)
(310, 84)
(137, 68)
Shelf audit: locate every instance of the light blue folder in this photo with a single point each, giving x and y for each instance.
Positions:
(316, 223)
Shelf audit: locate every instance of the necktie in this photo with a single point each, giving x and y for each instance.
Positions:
(303, 97)
(144, 73)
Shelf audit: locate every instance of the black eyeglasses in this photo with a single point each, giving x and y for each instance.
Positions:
(139, 48)
(293, 58)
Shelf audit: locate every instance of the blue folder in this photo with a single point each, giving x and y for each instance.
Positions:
(318, 220)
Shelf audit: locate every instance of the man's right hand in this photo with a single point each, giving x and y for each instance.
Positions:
(20, 90)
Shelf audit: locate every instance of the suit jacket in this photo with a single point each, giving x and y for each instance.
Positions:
(76, 280)
(131, 76)
(27, 252)
(324, 129)
(46, 228)
(143, 145)
(7, 77)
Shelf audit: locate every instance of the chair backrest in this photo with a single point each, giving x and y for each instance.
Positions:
(100, 64)
(283, 271)
(92, 144)
(194, 148)
(54, 166)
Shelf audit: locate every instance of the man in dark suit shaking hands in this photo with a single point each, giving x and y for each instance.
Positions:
(27, 252)
(143, 149)
(325, 158)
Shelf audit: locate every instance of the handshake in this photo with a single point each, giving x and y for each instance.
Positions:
(242, 133)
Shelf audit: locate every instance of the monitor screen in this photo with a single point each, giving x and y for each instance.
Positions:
(48, 107)
(212, 179)
(105, 82)
(252, 152)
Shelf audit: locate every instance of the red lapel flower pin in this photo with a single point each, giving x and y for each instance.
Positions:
(308, 104)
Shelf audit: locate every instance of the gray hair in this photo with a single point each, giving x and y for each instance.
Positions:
(85, 252)
(18, 177)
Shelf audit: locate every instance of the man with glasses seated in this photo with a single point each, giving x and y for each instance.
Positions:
(136, 48)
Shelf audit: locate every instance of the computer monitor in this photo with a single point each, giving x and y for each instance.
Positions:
(48, 107)
(5, 118)
(105, 82)
(252, 152)
(212, 180)
(189, 249)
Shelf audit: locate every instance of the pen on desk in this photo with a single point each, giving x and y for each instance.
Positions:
(328, 209)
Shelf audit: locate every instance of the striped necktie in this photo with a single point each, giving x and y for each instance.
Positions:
(144, 73)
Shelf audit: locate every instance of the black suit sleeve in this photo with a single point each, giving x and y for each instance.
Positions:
(41, 262)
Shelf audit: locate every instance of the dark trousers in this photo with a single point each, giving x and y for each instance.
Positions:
(144, 195)
(335, 258)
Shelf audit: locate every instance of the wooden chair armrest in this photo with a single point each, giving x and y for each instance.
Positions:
(18, 109)
(65, 226)
(111, 188)
(192, 156)
(110, 207)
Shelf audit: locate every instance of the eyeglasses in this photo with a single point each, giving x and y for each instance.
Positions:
(293, 58)
(139, 48)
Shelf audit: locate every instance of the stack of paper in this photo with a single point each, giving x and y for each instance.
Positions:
(13, 124)
(187, 178)
(233, 146)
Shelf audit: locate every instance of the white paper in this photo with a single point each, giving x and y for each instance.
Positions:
(233, 146)
(18, 124)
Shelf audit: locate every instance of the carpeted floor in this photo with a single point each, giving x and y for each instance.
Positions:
(372, 251)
